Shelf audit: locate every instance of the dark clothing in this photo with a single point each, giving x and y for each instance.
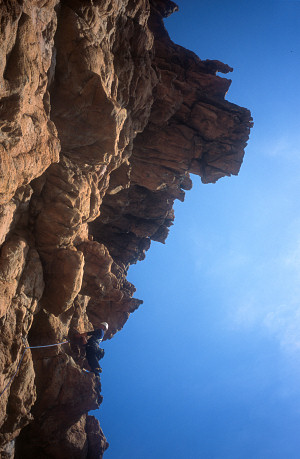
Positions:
(93, 351)
(92, 360)
(96, 335)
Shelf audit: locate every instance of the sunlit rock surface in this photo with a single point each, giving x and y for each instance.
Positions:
(102, 119)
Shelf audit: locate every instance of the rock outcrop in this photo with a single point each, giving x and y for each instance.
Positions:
(102, 120)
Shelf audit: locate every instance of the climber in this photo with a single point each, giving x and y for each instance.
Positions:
(93, 352)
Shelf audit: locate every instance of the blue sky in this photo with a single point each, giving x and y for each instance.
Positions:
(209, 366)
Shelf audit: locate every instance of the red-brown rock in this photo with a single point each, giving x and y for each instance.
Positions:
(102, 119)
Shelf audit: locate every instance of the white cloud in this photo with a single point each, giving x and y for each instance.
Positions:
(272, 302)
(260, 282)
(291, 260)
(283, 146)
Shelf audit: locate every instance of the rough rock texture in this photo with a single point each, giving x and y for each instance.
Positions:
(102, 118)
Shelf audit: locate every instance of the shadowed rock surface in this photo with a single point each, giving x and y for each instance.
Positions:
(102, 119)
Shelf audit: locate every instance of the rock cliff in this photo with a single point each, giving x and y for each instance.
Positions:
(102, 120)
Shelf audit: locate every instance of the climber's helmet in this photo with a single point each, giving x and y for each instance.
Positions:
(104, 326)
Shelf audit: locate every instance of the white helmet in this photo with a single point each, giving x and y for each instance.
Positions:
(105, 325)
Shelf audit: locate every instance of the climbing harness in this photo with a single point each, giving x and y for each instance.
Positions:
(19, 364)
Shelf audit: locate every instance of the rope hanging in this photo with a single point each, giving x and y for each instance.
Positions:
(19, 364)
(47, 345)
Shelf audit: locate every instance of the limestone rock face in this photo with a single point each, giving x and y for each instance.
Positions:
(102, 119)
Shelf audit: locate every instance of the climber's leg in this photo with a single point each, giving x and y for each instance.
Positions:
(92, 360)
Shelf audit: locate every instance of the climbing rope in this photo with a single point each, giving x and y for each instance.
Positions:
(47, 345)
(19, 364)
